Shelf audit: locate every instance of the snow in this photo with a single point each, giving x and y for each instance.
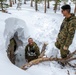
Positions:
(48, 68)
(43, 28)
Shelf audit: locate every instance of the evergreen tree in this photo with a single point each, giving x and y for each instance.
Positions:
(2, 4)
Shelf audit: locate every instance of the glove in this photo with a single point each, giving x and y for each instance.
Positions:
(32, 50)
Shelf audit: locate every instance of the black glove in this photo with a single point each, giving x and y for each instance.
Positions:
(33, 50)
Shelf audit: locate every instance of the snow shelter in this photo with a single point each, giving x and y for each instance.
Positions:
(17, 29)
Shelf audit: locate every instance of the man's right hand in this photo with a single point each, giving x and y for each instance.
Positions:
(65, 48)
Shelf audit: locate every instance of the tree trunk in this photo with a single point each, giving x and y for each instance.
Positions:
(15, 1)
(36, 7)
(24, 1)
(2, 5)
(75, 9)
(31, 3)
(10, 3)
(55, 7)
(45, 7)
(64, 2)
(48, 6)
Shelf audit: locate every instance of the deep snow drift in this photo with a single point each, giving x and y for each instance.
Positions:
(17, 28)
(6, 67)
(42, 28)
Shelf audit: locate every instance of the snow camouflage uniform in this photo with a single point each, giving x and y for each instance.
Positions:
(32, 52)
(66, 34)
(11, 49)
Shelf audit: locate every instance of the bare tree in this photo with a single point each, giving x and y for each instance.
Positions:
(55, 7)
(18, 5)
(10, 3)
(68, 72)
(15, 1)
(48, 4)
(24, 1)
(36, 7)
(75, 8)
(45, 6)
(31, 3)
(64, 2)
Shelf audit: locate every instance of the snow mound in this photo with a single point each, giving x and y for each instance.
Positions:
(17, 28)
(8, 30)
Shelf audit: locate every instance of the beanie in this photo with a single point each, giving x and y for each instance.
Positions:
(65, 7)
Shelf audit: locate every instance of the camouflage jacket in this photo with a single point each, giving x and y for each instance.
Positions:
(31, 51)
(12, 46)
(67, 30)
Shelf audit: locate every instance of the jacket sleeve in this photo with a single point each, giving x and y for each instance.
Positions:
(70, 35)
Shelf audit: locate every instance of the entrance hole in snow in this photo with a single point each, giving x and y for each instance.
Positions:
(17, 28)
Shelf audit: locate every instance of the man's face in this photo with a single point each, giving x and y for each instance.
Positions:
(30, 41)
(64, 12)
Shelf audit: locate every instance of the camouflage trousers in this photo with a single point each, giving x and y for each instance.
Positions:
(63, 52)
(11, 57)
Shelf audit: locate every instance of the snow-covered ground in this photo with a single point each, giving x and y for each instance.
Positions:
(42, 28)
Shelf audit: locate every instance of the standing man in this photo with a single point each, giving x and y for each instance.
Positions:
(67, 31)
(31, 51)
